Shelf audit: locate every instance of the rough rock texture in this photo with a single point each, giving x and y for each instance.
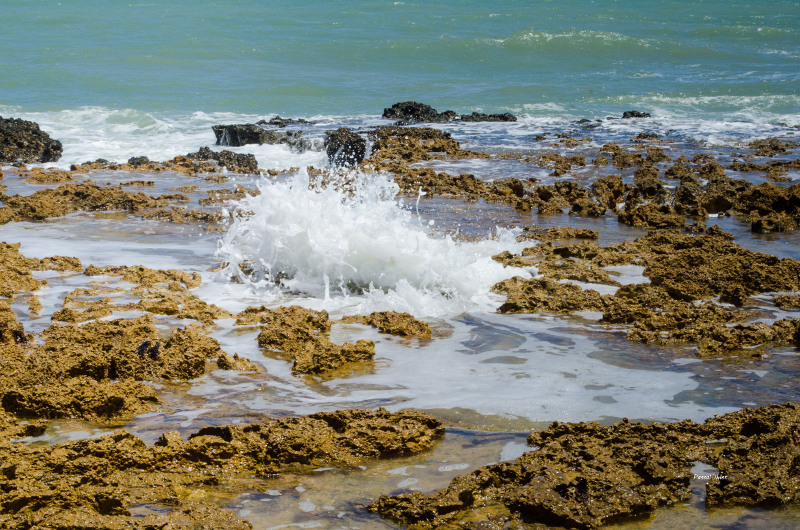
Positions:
(534, 295)
(587, 475)
(344, 147)
(233, 162)
(95, 483)
(635, 114)
(86, 196)
(395, 147)
(23, 142)
(244, 134)
(413, 112)
(93, 370)
(771, 146)
(479, 116)
(689, 274)
(394, 323)
(300, 335)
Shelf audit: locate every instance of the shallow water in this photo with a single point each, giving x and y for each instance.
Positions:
(490, 377)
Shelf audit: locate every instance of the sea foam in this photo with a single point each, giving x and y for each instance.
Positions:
(327, 242)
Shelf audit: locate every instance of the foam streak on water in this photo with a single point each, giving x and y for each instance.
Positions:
(329, 243)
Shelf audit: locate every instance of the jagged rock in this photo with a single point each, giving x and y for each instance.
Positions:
(413, 112)
(479, 116)
(635, 114)
(24, 142)
(137, 161)
(234, 162)
(584, 475)
(344, 147)
(243, 134)
(277, 121)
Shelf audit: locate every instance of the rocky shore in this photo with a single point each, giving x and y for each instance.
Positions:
(97, 362)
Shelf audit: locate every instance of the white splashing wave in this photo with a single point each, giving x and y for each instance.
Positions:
(327, 244)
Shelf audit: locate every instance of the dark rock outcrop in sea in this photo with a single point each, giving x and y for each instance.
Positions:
(234, 162)
(479, 116)
(634, 114)
(409, 112)
(277, 121)
(244, 134)
(344, 147)
(23, 142)
(413, 112)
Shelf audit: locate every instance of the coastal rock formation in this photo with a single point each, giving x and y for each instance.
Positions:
(586, 475)
(300, 335)
(409, 112)
(233, 162)
(689, 275)
(634, 114)
(344, 147)
(277, 121)
(23, 142)
(394, 323)
(96, 483)
(413, 112)
(86, 196)
(243, 134)
(479, 116)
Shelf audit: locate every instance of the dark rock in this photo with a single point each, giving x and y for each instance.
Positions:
(234, 162)
(475, 116)
(635, 114)
(137, 161)
(344, 147)
(413, 112)
(277, 121)
(688, 199)
(244, 134)
(24, 142)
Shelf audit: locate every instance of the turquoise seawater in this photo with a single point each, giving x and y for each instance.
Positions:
(708, 58)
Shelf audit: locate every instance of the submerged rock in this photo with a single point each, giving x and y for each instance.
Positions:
(23, 142)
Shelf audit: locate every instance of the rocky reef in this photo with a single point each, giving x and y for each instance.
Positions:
(97, 483)
(23, 142)
(409, 112)
(688, 274)
(586, 475)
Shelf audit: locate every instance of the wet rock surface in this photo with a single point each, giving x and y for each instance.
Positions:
(394, 323)
(693, 282)
(409, 112)
(586, 475)
(23, 142)
(244, 134)
(701, 293)
(98, 483)
(344, 147)
(301, 335)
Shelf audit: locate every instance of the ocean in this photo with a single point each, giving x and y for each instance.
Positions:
(115, 80)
